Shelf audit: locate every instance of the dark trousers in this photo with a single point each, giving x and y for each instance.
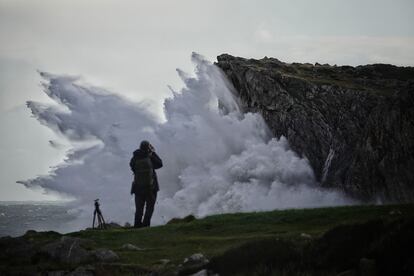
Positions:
(147, 199)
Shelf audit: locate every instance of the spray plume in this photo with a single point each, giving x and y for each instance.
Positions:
(216, 159)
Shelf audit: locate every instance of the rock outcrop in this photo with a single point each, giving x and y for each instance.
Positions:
(354, 124)
(67, 250)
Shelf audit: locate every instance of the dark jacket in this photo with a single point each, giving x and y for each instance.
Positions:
(156, 164)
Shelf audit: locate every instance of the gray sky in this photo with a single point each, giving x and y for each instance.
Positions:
(133, 47)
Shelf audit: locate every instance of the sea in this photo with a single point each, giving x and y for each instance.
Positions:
(17, 217)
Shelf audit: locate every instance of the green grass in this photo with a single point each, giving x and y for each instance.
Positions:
(344, 77)
(216, 234)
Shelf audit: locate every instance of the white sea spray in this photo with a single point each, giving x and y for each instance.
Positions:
(216, 158)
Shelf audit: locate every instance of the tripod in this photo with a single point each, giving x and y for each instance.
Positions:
(101, 221)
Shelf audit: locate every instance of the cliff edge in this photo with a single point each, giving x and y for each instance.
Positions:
(354, 124)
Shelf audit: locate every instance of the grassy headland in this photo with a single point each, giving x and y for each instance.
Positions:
(259, 243)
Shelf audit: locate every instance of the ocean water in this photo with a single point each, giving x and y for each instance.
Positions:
(18, 217)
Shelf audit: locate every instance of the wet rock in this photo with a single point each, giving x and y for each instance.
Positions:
(105, 255)
(355, 125)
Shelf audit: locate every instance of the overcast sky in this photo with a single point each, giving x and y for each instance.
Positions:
(133, 47)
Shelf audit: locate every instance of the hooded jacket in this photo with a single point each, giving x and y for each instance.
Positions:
(156, 164)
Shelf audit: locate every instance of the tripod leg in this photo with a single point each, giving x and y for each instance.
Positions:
(103, 221)
(93, 222)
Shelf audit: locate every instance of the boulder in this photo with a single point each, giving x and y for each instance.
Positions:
(343, 246)
(196, 258)
(16, 248)
(164, 261)
(203, 272)
(105, 255)
(68, 250)
(131, 247)
(186, 219)
(193, 264)
(113, 225)
(395, 212)
(305, 236)
(82, 271)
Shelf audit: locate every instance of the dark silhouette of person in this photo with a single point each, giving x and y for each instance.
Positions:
(144, 195)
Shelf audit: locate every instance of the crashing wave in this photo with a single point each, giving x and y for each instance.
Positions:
(216, 159)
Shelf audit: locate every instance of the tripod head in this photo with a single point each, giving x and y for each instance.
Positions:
(96, 203)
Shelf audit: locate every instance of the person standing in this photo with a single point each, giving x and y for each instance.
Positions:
(145, 186)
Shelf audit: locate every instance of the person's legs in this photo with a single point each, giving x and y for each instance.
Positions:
(139, 208)
(149, 208)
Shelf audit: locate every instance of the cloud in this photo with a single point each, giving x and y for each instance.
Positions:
(345, 49)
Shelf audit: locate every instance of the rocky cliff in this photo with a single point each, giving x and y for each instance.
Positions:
(354, 124)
